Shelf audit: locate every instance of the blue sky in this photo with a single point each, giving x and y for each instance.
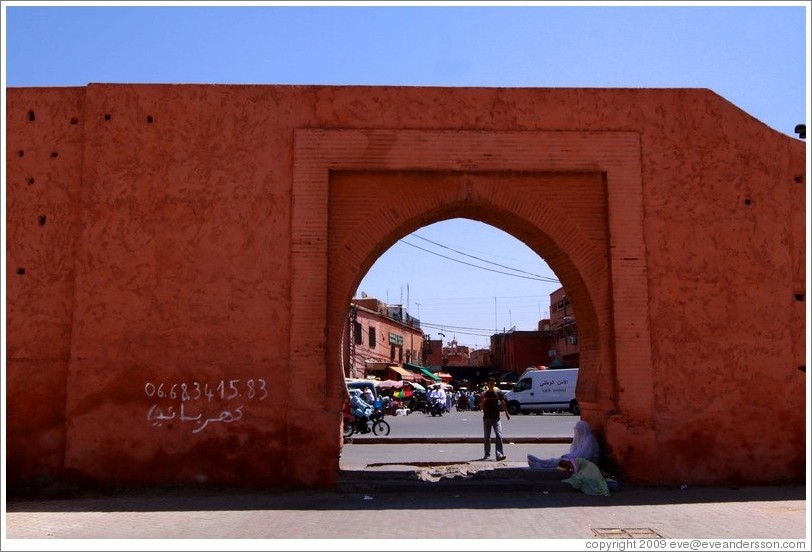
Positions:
(753, 54)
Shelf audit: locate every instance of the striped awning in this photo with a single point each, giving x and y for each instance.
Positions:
(405, 375)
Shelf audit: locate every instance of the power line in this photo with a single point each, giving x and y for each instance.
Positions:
(546, 278)
(490, 333)
(453, 328)
(489, 298)
(538, 279)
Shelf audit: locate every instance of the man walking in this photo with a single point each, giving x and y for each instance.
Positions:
(492, 401)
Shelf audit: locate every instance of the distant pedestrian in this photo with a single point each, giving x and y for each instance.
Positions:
(368, 395)
(492, 402)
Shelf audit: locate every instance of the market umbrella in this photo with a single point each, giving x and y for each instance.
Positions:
(417, 387)
(386, 384)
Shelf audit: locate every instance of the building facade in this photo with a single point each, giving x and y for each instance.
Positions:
(565, 349)
(480, 357)
(433, 353)
(514, 351)
(381, 335)
(455, 354)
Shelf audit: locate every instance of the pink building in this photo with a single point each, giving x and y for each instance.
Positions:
(381, 336)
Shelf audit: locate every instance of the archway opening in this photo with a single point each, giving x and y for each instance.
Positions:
(454, 302)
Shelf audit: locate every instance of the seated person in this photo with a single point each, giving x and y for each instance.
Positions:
(584, 445)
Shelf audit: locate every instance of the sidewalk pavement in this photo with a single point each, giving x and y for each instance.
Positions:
(416, 492)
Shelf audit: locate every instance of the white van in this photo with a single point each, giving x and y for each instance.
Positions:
(540, 390)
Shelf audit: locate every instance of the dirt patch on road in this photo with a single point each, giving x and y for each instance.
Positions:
(435, 471)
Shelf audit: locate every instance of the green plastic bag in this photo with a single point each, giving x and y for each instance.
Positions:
(588, 478)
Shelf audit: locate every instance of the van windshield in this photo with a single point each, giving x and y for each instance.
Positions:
(522, 385)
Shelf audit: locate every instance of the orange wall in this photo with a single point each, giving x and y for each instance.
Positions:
(179, 233)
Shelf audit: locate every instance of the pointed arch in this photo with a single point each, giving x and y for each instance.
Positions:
(521, 182)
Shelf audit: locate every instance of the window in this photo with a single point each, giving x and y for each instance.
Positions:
(356, 329)
(522, 385)
(372, 337)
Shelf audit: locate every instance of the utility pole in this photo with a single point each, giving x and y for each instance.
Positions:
(351, 339)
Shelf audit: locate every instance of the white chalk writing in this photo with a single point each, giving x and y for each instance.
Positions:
(158, 416)
(199, 395)
(251, 388)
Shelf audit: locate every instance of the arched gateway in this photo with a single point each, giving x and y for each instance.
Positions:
(183, 321)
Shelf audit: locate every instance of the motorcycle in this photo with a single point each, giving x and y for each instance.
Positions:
(435, 408)
(374, 422)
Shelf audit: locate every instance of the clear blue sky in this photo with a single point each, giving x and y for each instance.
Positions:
(753, 54)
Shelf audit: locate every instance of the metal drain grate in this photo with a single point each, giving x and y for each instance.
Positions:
(626, 533)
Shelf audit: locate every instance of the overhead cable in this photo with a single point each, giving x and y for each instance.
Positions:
(545, 278)
(539, 279)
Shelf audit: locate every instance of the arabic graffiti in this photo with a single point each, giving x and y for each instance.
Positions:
(157, 416)
(201, 395)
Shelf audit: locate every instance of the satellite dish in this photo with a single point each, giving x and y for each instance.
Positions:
(364, 295)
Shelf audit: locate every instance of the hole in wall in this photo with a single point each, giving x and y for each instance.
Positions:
(74, 120)
(30, 180)
(799, 179)
(107, 117)
(41, 220)
(149, 118)
(54, 154)
(748, 201)
(31, 116)
(800, 296)
(20, 153)
(21, 271)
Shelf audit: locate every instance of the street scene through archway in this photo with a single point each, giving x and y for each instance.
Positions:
(446, 307)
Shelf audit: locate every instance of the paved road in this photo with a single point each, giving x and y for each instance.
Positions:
(361, 456)
(469, 424)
